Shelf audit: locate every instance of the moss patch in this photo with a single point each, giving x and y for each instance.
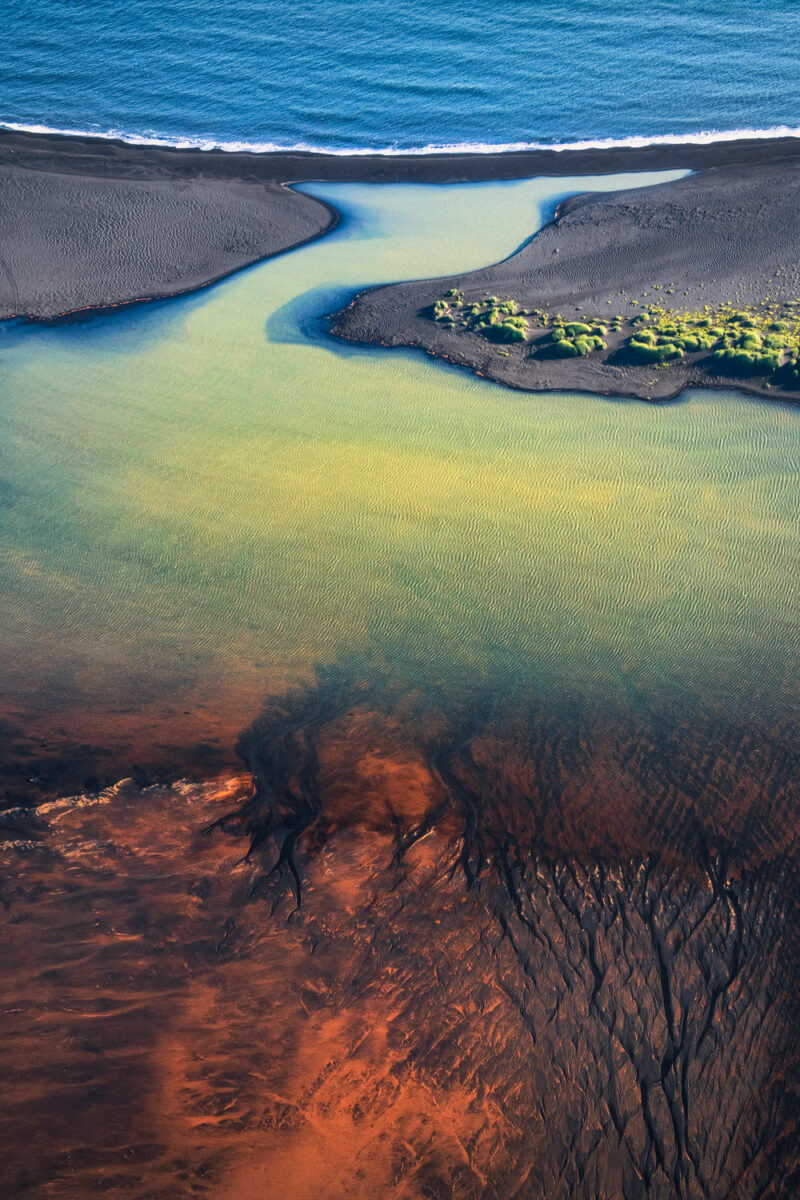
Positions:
(760, 340)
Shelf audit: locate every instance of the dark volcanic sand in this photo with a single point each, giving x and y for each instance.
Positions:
(729, 233)
(538, 954)
(70, 242)
(87, 222)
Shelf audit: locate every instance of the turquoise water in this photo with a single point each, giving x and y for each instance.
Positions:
(376, 75)
(204, 499)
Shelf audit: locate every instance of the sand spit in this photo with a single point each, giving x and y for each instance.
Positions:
(726, 235)
(87, 222)
(72, 242)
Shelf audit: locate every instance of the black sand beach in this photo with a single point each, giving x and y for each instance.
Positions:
(88, 222)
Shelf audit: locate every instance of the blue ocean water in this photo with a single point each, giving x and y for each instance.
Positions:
(374, 74)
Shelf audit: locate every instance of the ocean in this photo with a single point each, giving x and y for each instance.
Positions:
(372, 76)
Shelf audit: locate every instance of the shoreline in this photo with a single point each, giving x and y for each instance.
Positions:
(164, 221)
(101, 157)
(700, 381)
(184, 289)
(82, 232)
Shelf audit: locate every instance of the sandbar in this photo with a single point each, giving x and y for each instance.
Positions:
(93, 222)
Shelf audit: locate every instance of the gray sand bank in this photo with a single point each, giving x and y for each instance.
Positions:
(726, 234)
(69, 242)
(89, 222)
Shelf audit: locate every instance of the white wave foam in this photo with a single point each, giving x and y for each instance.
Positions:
(705, 137)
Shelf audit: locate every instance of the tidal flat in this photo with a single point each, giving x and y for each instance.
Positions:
(484, 881)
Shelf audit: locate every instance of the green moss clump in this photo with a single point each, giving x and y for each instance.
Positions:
(648, 353)
(579, 346)
(575, 328)
(481, 323)
(692, 343)
(513, 329)
(739, 361)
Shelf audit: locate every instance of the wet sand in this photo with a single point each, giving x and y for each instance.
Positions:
(470, 954)
(728, 234)
(88, 222)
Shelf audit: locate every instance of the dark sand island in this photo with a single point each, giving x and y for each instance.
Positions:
(90, 222)
(638, 293)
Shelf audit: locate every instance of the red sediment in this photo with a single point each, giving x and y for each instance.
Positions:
(611, 1003)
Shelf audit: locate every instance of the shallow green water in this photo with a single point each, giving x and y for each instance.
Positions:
(204, 496)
